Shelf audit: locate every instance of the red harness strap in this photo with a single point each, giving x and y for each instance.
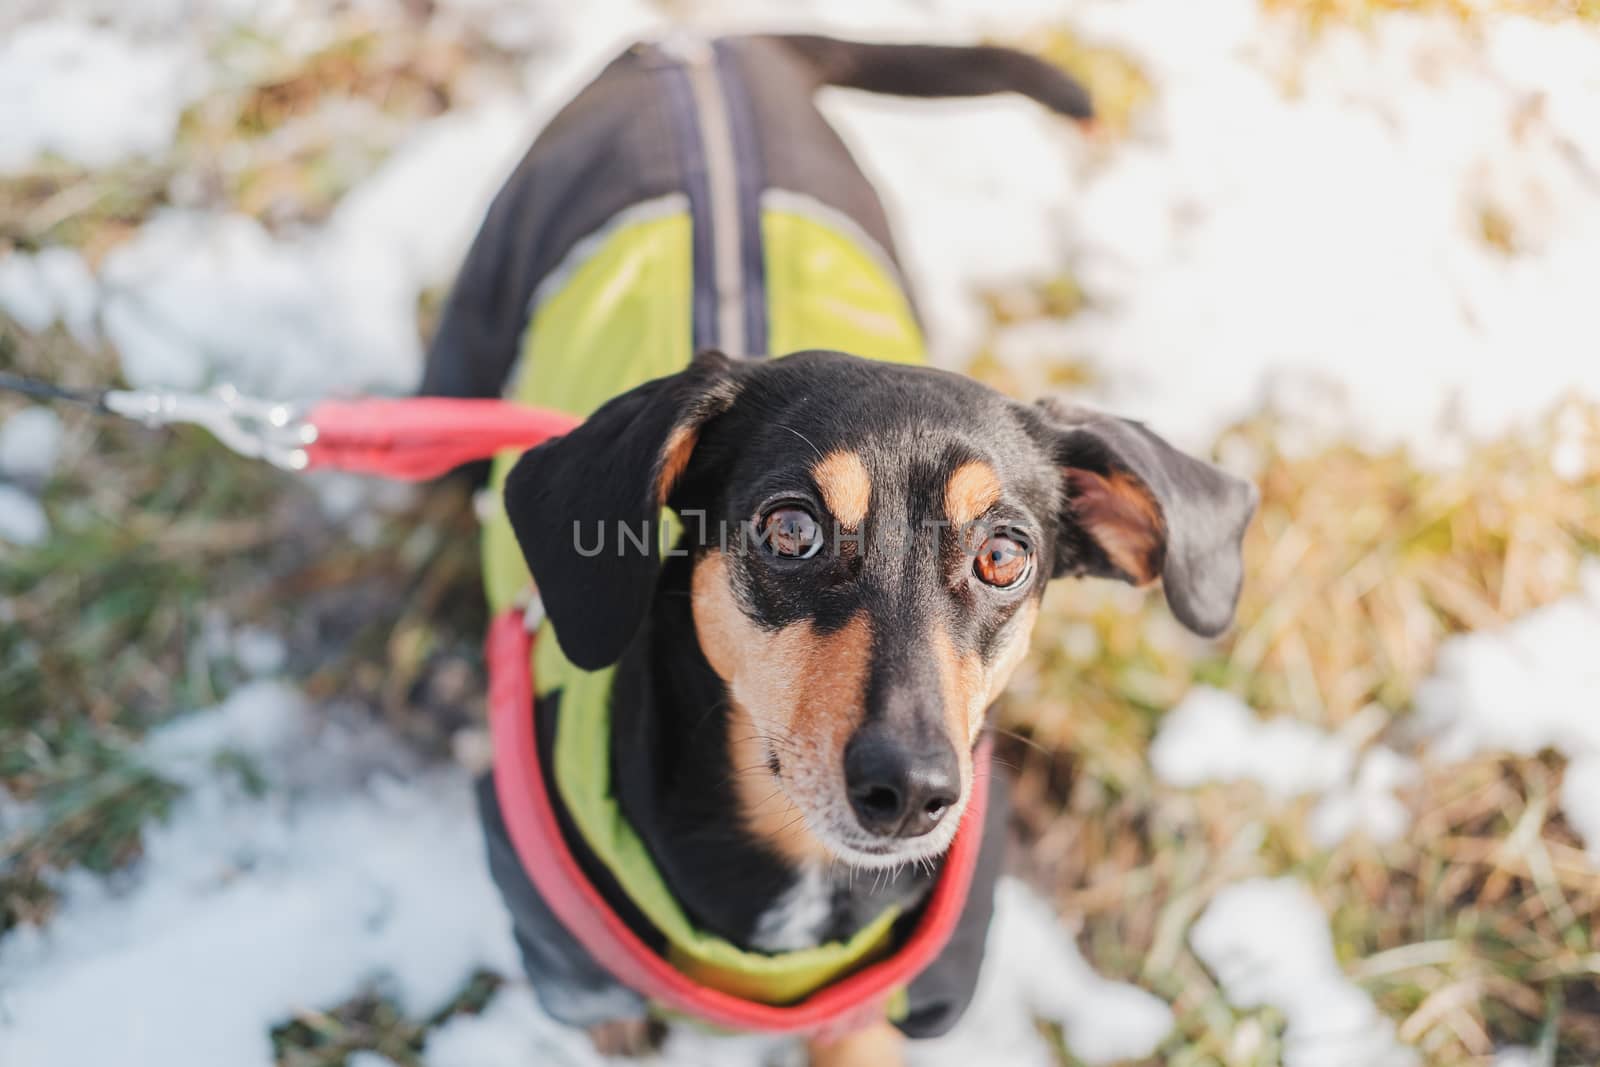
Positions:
(851, 1003)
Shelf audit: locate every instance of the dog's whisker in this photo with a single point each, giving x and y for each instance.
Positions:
(803, 437)
(1025, 739)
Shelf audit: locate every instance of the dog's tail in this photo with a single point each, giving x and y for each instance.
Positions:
(940, 71)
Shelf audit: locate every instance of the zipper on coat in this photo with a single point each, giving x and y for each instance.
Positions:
(730, 297)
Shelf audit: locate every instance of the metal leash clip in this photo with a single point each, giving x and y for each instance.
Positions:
(260, 429)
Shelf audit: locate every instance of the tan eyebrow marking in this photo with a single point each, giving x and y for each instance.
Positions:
(972, 489)
(846, 487)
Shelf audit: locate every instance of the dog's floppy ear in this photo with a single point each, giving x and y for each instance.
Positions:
(586, 506)
(1135, 508)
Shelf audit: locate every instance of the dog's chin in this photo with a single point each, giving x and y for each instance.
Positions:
(845, 840)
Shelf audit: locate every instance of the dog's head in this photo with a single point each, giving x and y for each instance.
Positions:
(869, 545)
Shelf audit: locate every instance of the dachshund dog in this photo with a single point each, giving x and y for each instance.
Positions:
(786, 568)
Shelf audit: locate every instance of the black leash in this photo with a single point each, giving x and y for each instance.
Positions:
(34, 389)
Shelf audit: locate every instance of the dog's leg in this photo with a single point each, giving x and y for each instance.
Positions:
(626, 1037)
(876, 1046)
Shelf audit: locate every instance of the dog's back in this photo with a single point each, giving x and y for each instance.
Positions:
(706, 203)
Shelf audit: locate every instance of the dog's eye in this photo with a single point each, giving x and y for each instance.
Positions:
(1002, 561)
(792, 533)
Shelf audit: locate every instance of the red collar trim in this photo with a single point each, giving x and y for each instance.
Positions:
(851, 1003)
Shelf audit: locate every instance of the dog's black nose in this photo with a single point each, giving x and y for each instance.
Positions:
(900, 788)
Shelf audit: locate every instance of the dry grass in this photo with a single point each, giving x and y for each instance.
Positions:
(1480, 926)
(1324, 11)
(1114, 81)
(372, 1022)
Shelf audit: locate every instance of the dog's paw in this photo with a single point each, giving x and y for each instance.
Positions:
(626, 1037)
(876, 1046)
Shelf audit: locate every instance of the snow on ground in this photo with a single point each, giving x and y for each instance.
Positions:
(22, 518)
(259, 651)
(1267, 941)
(1283, 218)
(1519, 1057)
(1530, 686)
(89, 95)
(354, 867)
(50, 286)
(1368, 803)
(1032, 968)
(197, 298)
(30, 443)
(513, 1031)
(1212, 736)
